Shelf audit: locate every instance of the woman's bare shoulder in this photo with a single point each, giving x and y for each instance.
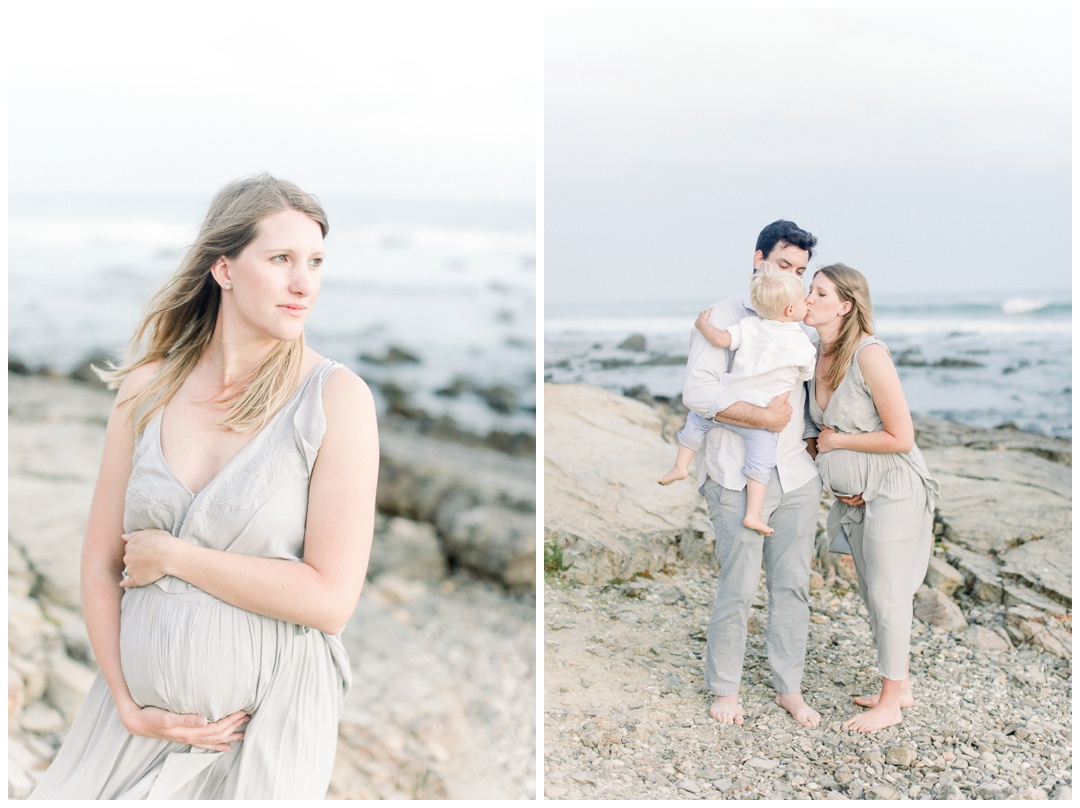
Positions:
(138, 378)
(345, 392)
(874, 355)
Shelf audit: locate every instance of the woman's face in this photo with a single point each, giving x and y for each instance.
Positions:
(275, 279)
(823, 305)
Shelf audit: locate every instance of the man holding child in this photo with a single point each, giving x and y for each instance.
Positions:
(790, 504)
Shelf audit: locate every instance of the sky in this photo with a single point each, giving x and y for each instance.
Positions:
(931, 149)
(348, 99)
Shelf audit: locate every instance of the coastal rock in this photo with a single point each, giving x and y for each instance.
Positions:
(395, 355)
(942, 576)
(426, 480)
(494, 540)
(407, 549)
(985, 639)
(1007, 499)
(635, 342)
(981, 573)
(932, 432)
(935, 608)
(500, 398)
(1038, 565)
(84, 371)
(602, 506)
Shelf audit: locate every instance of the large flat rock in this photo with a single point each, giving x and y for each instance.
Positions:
(602, 455)
(993, 501)
(1013, 509)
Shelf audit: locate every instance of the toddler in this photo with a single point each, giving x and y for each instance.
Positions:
(772, 355)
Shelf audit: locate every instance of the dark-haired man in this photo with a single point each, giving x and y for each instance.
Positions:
(791, 505)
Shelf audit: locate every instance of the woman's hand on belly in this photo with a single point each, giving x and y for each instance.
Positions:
(192, 730)
(826, 440)
(145, 554)
(855, 501)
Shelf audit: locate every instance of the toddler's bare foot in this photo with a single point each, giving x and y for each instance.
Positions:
(878, 718)
(726, 710)
(674, 475)
(799, 709)
(906, 699)
(758, 524)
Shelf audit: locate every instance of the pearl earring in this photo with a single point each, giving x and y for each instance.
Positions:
(227, 287)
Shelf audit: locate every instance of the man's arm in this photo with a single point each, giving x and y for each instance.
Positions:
(774, 417)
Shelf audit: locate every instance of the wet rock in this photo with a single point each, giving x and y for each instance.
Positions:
(395, 355)
(635, 342)
(640, 393)
(84, 371)
(950, 362)
(457, 387)
(500, 398)
(18, 367)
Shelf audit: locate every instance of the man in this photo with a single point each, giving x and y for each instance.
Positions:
(791, 505)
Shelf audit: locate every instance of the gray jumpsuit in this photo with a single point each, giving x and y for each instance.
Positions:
(891, 537)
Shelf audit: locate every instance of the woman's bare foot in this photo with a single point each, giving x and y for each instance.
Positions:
(674, 475)
(878, 718)
(758, 524)
(799, 709)
(906, 699)
(726, 710)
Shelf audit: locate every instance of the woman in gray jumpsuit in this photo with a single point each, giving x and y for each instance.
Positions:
(868, 458)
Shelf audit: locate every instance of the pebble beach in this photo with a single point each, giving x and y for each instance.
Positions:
(628, 591)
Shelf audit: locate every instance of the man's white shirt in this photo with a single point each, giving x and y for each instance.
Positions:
(709, 388)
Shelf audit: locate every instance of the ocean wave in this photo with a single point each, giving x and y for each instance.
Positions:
(1024, 305)
(127, 232)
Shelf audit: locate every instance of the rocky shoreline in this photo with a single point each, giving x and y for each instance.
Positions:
(628, 591)
(442, 643)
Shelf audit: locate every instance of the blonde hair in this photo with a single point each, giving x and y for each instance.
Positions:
(850, 286)
(180, 318)
(772, 291)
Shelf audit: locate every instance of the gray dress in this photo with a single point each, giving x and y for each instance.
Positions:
(891, 537)
(188, 652)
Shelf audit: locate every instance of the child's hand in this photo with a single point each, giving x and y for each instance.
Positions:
(703, 318)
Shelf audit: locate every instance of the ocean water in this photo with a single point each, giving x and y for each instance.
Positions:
(980, 358)
(454, 284)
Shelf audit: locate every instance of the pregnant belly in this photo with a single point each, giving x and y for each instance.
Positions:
(844, 472)
(193, 654)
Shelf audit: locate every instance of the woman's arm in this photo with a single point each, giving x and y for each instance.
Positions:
(322, 591)
(101, 567)
(897, 433)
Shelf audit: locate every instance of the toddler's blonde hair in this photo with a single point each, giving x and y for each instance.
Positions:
(772, 291)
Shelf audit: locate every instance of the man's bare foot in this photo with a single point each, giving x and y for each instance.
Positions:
(758, 524)
(799, 709)
(674, 475)
(878, 718)
(726, 710)
(906, 699)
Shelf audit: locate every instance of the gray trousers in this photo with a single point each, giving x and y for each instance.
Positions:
(739, 552)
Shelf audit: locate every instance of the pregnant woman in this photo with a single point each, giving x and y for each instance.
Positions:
(230, 528)
(868, 458)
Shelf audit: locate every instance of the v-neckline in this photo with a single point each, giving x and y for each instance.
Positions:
(232, 460)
